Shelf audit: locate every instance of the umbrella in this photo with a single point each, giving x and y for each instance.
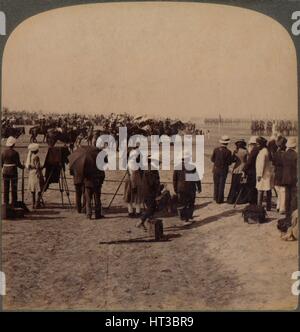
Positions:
(83, 160)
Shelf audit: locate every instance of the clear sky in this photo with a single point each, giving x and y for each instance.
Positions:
(163, 59)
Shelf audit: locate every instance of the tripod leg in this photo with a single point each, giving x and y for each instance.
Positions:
(115, 194)
(46, 185)
(65, 184)
(61, 191)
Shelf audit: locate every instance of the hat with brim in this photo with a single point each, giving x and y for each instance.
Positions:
(261, 140)
(224, 139)
(10, 141)
(281, 141)
(33, 147)
(240, 141)
(291, 143)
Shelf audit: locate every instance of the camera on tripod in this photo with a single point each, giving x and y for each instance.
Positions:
(55, 165)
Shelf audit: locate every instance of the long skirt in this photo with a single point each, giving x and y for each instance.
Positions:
(237, 190)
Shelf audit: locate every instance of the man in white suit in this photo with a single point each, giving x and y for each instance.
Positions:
(264, 173)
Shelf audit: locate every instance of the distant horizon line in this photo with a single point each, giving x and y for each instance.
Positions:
(192, 118)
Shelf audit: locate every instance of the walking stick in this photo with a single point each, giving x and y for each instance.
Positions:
(238, 197)
(46, 184)
(243, 183)
(115, 194)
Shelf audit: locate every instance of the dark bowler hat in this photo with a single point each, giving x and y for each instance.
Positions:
(261, 140)
(240, 142)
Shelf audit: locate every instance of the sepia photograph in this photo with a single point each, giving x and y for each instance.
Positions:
(149, 158)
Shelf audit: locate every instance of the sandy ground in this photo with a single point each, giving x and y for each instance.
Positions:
(57, 259)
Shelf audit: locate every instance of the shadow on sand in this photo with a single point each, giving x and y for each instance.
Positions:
(205, 221)
(145, 239)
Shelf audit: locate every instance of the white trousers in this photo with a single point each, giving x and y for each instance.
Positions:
(281, 198)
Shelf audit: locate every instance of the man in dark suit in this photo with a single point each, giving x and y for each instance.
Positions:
(250, 170)
(79, 188)
(277, 162)
(185, 182)
(93, 181)
(222, 158)
(150, 190)
(10, 160)
(289, 176)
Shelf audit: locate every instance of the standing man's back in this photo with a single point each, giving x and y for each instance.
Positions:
(10, 161)
(222, 158)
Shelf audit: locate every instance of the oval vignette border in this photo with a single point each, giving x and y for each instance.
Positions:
(17, 11)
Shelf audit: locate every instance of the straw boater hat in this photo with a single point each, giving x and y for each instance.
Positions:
(11, 141)
(33, 147)
(252, 140)
(291, 143)
(224, 139)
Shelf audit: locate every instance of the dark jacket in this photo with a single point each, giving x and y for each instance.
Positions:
(289, 164)
(222, 159)
(150, 184)
(278, 163)
(93, 177)
(180, 183)
(10, 157)
(250, 166)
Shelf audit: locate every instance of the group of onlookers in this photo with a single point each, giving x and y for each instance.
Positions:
(258, 168)
(143, 188)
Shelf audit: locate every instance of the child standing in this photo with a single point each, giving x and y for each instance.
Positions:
(35, 176)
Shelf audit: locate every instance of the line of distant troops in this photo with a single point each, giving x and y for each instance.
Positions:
(285, 128)
(258, 168)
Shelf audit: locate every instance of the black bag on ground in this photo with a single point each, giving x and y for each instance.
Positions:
(254, 214)
(284, 224)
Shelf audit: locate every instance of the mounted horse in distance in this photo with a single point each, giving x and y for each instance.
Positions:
(12, 131)
(66, 136)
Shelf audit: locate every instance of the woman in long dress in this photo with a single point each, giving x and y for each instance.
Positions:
(35, 176)
(239, 158)
(133, 194)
